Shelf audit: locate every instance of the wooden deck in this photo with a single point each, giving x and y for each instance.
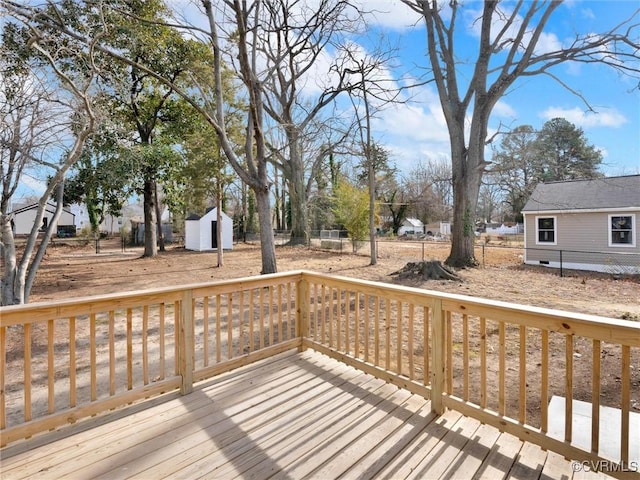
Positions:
(296, 415)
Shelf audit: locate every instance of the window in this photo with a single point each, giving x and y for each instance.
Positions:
(622, 231)
(546, 230)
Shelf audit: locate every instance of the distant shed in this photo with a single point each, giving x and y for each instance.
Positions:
(200, 232)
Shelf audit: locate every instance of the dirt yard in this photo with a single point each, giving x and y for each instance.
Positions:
(72, 271)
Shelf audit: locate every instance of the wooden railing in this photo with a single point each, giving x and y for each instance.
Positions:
(500, 363)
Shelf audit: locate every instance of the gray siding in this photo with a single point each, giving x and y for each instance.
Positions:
(581, 232)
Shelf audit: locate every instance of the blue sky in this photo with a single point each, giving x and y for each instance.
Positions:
(416, 131)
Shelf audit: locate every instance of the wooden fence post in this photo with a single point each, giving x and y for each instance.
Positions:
(302, 310)
(185, 350)
(437, 357)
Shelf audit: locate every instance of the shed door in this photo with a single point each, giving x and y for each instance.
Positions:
(214, 234)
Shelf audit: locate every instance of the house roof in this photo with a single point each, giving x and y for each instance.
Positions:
(414, 222)
(49, 208)
(593, 194)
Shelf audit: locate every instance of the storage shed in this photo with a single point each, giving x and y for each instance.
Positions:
(200, 232)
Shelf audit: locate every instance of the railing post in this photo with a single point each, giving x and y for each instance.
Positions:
(437, 357)
(302, 310)
(185, 360)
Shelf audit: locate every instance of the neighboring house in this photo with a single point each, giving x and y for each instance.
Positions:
(504, 229)
(110, 225)
(23, 217)
(411, 226)
(585, 225)
(200, 233)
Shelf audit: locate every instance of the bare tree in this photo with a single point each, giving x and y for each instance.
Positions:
(508, 49)
(39, 116)
(295, 39)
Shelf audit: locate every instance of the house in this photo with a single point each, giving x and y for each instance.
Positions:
(200, 233)
(585, 225)
(110, 225)
(411, 226)
(23, 217)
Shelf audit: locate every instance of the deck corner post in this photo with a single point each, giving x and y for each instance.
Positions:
(302, 310)
(185, 360)
(437, 357)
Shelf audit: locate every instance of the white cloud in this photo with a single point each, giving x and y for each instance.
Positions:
(503, 109)
(604, 117)
(392, 14)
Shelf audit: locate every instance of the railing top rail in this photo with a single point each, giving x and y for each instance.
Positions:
(42, 311)
(625, 332)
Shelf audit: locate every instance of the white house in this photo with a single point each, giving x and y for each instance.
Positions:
(25, 215)
(200, 232)
(411, 226)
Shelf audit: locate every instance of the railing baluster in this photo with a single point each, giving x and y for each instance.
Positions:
(218, 330)
(145, 347)
(51, 368)
(291, 323)
(205, 330)
(270, 310)
(376, 330)
(595, 397)
(449, 348)
(112, 353)
(544, 382)
(410, 341)
(626, 402)
(425, 346)
(356, 321)
(129, 349)
(261, 325)
(3, 366)
(330, 317)
(465, 356)
(503, 370)
(92, 357)
(367, 322)
(483, 362)
(399, 336)
(323, 315)
(347, 321)
(241, 323)
(568, 393)
(387, 334)
(176, 335)
(252, 309)
(72, 361)
(313, 332)
(522, 414)
(161, 335)
(438, 360)
(281, 335)
(27, 372)
(339, 319)
(229, 326)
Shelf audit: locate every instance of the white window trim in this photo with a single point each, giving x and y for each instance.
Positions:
(555, 230)
(633, 230)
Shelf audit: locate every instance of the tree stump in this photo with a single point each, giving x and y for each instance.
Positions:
(427, 270)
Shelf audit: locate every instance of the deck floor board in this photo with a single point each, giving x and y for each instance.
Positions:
(296, 415)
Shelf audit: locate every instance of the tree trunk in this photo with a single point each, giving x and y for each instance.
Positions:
(9, 259)
(266, 231)
(150, 239)
(219, 240)
(298, 199)
(158, 217)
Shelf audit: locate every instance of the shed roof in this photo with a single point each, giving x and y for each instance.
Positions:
(414, 222)
(592, 194)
